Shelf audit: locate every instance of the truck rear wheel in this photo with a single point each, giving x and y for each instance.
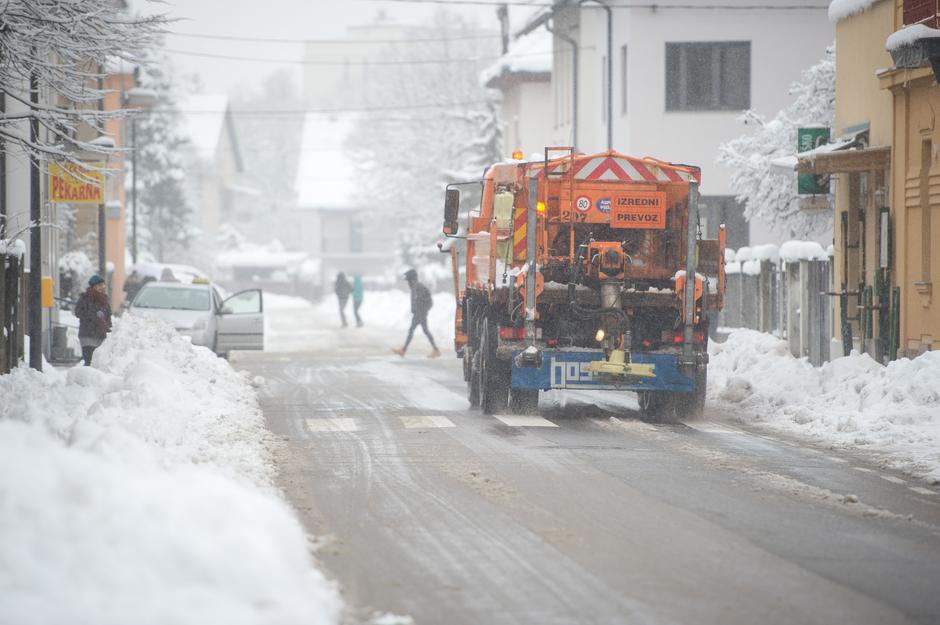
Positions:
(657, 406)
(691, 405)
(494, 375)
(523, 401)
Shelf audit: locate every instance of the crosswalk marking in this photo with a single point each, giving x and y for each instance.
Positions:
(518, 421)
(713, 428)
(892, 479)
(921, 490)
(332, 425)
(432, 421)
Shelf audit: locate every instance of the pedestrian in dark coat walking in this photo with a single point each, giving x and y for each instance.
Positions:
(421, 303)
(94, 317)
(343, 289)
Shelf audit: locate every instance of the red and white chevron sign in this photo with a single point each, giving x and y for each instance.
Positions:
(621, 168)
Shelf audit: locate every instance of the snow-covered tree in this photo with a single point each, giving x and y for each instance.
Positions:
(436, 124)
(766, 193)
(165, 226)
(59, 49)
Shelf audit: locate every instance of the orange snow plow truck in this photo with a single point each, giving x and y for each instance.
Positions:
(574, 276)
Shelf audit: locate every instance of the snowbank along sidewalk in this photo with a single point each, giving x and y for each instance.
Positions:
(139, 490)
(852, 402)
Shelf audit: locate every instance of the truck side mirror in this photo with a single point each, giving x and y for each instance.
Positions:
(451, 209)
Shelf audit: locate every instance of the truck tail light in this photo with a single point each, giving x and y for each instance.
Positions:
(678, 337)
(511, 333)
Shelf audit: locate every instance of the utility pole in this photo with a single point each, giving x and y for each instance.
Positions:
(133, 190)
(3, 171)
(502, 14)
(35, 234)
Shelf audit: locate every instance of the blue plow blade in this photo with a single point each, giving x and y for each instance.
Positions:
(568, 369)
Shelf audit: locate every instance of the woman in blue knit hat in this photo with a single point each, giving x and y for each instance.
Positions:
(94, 316)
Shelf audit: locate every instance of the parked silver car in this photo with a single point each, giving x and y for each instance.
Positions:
(198, 311)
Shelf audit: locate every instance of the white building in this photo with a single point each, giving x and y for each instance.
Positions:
(523, 75)
(335, 222)
(681, 78)
(220, 190)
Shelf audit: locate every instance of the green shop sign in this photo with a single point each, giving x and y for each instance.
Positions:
(808, 139)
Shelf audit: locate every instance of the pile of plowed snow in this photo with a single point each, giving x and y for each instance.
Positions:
(138, 490)
(851, 402)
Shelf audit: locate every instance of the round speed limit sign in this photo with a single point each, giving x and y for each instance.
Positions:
(583, 203)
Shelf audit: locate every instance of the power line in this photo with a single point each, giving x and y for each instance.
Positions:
(333, 41)
(326, 111)
(228, 57)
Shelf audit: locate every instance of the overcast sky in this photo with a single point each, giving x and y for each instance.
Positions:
(291, 19)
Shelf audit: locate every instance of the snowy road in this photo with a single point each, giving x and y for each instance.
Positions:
(585, 515)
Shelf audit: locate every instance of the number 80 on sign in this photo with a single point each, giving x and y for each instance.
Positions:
(583, 203)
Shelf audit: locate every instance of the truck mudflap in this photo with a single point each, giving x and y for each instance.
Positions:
(563, 368)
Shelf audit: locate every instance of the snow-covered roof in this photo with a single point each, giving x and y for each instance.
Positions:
(529, 55)
(908, 35)
(326, 177)
(790, 161)
(841, 9)
(203, 121)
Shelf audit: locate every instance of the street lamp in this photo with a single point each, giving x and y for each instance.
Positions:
(136, 98)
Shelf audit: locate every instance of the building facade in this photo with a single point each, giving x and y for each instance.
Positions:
(523, 77)
(915, 171)
(681, 77)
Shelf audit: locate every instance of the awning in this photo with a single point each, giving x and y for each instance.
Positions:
(845, 161)
(846, 155)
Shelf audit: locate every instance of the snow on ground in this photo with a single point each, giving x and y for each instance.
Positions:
(139, 490)
(293, 324)
(852, 402)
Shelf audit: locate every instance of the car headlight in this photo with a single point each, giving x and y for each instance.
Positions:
(200, 324)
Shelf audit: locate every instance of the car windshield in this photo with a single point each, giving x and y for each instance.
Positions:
(173, 298)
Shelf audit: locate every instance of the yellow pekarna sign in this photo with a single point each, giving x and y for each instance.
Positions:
(74, 184)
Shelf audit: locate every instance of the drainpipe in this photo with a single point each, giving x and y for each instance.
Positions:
(574, 81)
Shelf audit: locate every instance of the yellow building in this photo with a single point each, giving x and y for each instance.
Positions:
(915, 171)
(863, 274)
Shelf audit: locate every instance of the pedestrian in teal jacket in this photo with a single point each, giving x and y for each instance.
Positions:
(357, 297)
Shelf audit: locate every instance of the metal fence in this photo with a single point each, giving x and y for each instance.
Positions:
(788, 300)
(12, 311)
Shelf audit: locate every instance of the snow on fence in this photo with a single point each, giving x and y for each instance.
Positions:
(782, 291)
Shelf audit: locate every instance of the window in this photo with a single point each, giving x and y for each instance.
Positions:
(172, 298)
(708, 76)
(623, 80)
(921, 11)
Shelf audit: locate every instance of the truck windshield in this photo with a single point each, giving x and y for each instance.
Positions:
(173, 298)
